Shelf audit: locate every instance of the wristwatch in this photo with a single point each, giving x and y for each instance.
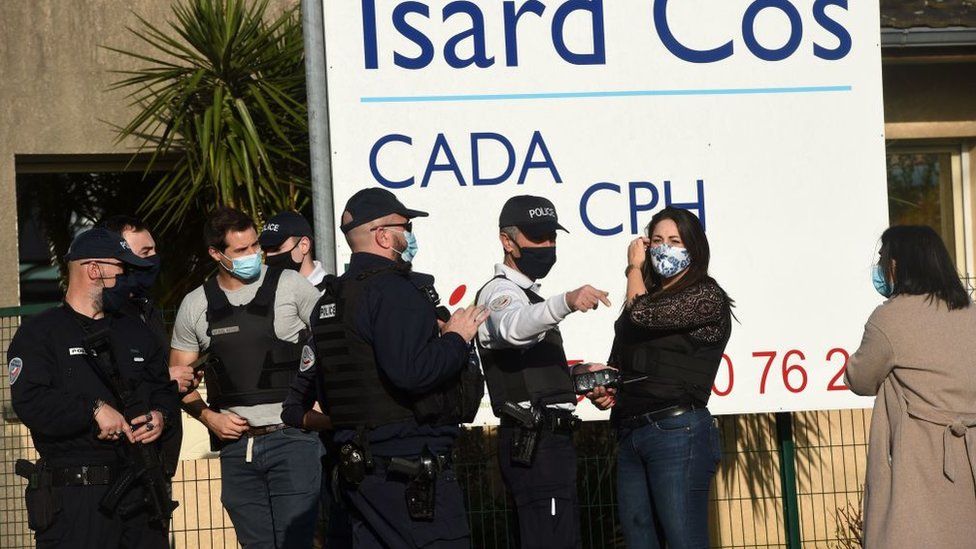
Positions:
(98, 406)
(164, 415)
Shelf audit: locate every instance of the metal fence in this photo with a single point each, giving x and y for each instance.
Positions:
(818, 457)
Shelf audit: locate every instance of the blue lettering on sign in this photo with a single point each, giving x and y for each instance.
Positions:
(833, 27)
(412, 20)
(476, 176)
(680, 50)
(727, 49)
(749, 30)
(443, 159)
(420, 13)
(637, 204)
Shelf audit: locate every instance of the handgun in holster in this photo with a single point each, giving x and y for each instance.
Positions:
(421, 488)
(43, 503)
(355, 460)
(529, 422)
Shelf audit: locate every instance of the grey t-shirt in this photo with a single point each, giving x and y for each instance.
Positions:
(294, 301)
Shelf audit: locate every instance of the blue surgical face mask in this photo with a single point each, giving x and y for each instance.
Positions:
(410, 252)
(669, 261)
(246, 267)
(881, 283)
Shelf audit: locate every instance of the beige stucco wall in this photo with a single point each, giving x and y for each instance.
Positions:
(53, 77)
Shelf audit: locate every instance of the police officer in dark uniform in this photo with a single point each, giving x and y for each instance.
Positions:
(286, 240)
(396, 384)
(529, 381)
(302, 409)
(73, 415)
(131, 296)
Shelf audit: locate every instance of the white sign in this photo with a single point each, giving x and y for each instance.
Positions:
(763, 117)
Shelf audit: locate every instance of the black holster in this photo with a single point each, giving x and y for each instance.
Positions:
(529, 422)
(43, 502)
(355, 460)
(421, 475)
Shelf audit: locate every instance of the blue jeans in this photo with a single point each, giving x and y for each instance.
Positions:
(273, 498)
(664, 472)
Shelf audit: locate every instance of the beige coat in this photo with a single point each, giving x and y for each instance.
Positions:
(920, 359)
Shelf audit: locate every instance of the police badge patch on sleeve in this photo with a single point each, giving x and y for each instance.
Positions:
(16, 366)
(308, 358)
(500, 303)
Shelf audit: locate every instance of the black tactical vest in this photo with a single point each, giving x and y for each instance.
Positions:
(254, 367)
(538, 374)
(673, 357)
(357, 394)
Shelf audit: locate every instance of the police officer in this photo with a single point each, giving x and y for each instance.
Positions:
(286, 240)
(131, 296)
(73, 415)
(395, 385)
(251, 320)
(521, 351)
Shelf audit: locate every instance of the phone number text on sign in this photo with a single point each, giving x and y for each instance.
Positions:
(788, 369)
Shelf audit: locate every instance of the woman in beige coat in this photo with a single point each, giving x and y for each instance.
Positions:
(918, 356)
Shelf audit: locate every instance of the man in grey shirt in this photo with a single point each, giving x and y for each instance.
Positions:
(253, 320)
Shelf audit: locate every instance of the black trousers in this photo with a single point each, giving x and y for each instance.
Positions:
(80, 525)
(379, 516)
(169, 445)
(545, 492)
(334, 529)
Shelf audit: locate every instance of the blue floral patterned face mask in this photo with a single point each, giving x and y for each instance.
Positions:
(669, 261)
(881, 283)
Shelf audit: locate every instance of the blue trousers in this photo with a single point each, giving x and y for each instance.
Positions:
(380, 519)
(664, 473)
(272, 496)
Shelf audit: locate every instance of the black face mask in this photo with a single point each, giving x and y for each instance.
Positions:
(536, 263)
(283, 260)
(141, 281)
(115, 298)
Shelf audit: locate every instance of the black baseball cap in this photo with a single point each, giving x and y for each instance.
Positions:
(102, 244)
(535, 216)
(282, 227)
(374, 203)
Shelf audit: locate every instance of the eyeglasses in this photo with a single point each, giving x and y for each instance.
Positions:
(408, 226)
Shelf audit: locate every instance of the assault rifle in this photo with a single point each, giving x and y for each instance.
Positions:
(144, 465)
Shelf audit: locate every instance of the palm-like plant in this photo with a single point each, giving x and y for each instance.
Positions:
(223, 93)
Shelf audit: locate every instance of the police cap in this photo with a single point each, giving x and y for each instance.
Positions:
(374, 203)
(102, 244)
(283, 226)
(535, 216)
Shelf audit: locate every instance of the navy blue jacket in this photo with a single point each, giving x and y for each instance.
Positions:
(400, 324)
(54, 387)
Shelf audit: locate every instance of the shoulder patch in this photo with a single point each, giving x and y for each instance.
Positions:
(308, 358)
(500, 302)
(327, 310)
(16, 366)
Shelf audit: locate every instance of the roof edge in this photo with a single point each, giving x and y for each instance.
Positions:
(921, 37)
